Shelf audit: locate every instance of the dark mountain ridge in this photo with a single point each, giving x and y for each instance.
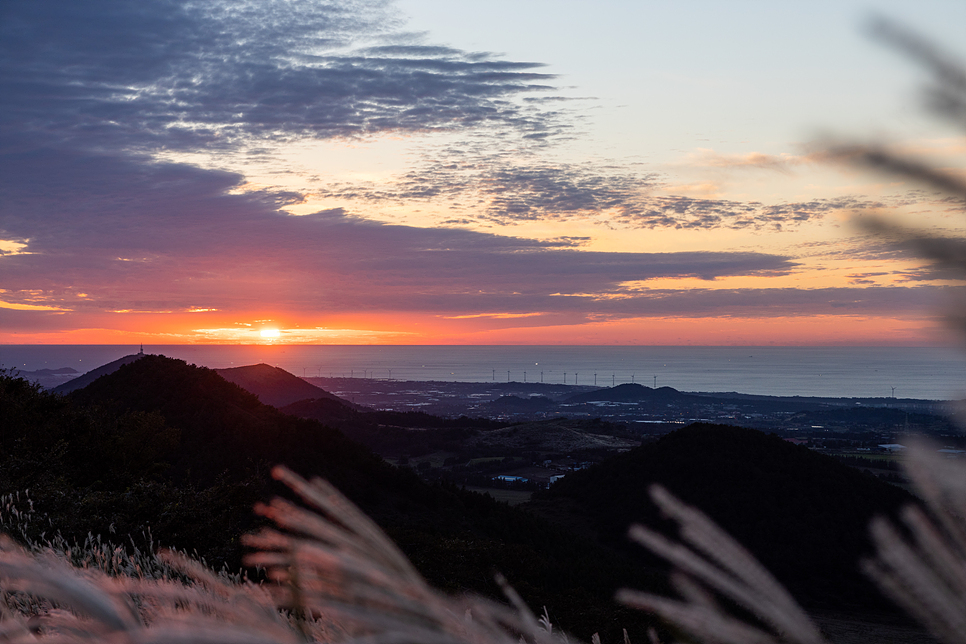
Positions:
(632, 392)
(413, 434)
(637, 393)
(225, 429)
(511, 403)
(82, 381)
(803, 514)
(176, 447)
(276, 387)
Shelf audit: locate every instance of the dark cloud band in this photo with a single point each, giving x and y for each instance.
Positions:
(162, 74)
(171, 235)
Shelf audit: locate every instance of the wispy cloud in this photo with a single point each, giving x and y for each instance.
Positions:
(782, 163)
(198, 245)
(690, 213)
(94, 94)
(177, 75)
(17, 306)
(192, 242)
(504, 191)
(494, 316)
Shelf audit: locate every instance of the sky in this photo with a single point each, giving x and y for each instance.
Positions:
(473, 172)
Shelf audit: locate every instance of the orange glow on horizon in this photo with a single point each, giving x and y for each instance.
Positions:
(415, 329)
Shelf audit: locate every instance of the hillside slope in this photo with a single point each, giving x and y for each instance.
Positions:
(83, 380)
(804, 515)
(561, 435)
(212, 445)
(393, 433)
(227, 430)
(274, 386)
(631, 392)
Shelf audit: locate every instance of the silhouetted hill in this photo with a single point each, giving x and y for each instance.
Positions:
(325, 410)
(333, 413)
(92, 375)
(803, 514)
(176, 447)
(275, 386)
(393, 433)
(512, 404)
(415, 434)
(227, 429)
(631, 392)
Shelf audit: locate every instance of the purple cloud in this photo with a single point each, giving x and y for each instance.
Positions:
(513, 191)
(168, 236)
(149, 236)
(173, 74)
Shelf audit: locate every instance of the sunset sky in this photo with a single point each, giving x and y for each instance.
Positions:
(463, 172)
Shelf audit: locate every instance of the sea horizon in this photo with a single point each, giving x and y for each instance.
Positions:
(934, 373)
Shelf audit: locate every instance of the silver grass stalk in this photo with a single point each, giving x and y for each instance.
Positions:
(926, 574)
(340, 579)
(347, 570)
(717, 564)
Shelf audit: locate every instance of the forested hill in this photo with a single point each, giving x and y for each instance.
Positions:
(175, 447)
(630, 392)
(92, 375)
(803, 514)
(224, 430)
(276, 387)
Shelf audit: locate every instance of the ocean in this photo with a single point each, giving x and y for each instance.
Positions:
(914, 372)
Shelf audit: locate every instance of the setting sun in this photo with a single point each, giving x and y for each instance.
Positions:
(352, 210)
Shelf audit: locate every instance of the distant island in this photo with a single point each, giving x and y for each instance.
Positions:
(47, 378)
